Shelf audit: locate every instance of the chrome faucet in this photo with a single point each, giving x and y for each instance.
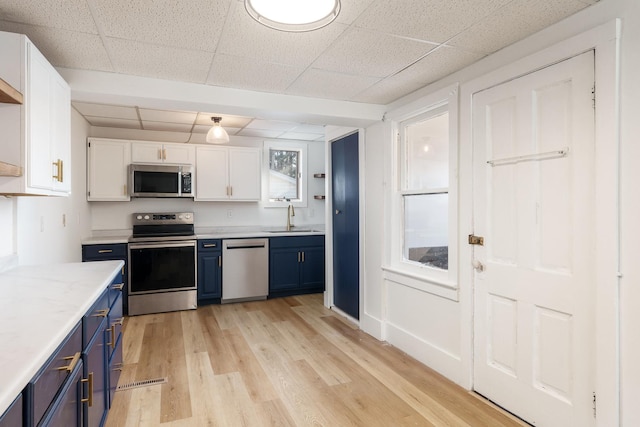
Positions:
(290, 213)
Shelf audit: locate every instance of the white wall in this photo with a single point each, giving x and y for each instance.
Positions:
(117, 215)
(42, 237)
(438, 331)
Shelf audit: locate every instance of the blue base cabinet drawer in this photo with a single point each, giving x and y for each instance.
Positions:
(94, 317)
(67, 410)
(12, 417)
(44, 387)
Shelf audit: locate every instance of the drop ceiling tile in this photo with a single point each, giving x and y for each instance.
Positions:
(226, 122)
(184, 117)
(371, 54)
(245, 37)
(166, 127)
(64, 48)
(299, 136)
(107, 111)
(309, 128)
(247, 73)
(160, 62)
(72, 15)
(193, 24)
(514, 22)
(434, 21)
(350, 10)
(271, 125)
(438, 64)
(327, 84)
(260, 133)
(113, 123)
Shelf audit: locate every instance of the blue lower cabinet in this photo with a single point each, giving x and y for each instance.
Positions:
(67, 409)
(110, 252)
(209, 271)
(12, 417)
(95, 356)
(115, 369)
(296, 265)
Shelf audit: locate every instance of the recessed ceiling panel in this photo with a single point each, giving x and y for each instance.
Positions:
(300, 136)
(326, 84)
(163, 62)
(184, 117)
(271, 125)
(167, 127)
(107, 111)
(260, 133)
(73, 15)
(193, 24)
(113, 123)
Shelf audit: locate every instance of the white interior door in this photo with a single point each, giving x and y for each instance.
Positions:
(534, 287)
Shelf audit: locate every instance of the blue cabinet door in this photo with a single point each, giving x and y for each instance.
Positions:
(110, 252)
(312, 268)
(284, 269)
(95, 359)
(12, 417)
(345, 199)
(67, 409)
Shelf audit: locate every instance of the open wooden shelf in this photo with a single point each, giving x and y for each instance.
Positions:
(7, 169)
(8, 94)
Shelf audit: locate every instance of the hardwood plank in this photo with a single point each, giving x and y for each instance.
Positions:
(284, 362)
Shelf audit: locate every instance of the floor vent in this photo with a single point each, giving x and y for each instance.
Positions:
(143, 383)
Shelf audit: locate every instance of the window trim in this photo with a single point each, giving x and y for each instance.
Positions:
(433, 279)
(302, 147)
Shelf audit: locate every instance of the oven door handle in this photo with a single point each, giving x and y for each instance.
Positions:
(168, 244)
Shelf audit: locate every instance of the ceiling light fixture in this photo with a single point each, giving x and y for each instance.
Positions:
(217, 134)
(293, 15)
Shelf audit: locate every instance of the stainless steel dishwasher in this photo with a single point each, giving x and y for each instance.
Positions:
(245, 271)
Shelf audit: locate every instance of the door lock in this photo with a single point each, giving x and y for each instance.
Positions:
(476, 240)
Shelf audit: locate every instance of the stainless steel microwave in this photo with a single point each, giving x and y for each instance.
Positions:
(160, 180)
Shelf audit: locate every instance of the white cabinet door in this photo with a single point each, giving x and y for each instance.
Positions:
(179, 153)
(212, 173)
(146, 152)
(40, 169)
(61, 134)
(107, 166)
(244, 173)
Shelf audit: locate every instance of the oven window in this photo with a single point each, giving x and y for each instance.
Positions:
(162, 268)
(155, 182)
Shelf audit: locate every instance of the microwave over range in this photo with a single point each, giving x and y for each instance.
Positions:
(160, 180)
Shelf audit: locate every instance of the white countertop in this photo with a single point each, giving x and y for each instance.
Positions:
(39, 306)
(122, 236)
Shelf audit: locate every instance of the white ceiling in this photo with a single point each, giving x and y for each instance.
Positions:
(375, 52)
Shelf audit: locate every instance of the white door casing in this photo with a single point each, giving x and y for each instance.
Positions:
(533, 298)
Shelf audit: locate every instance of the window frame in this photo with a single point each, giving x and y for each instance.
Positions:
(426, 277)
(303, 179)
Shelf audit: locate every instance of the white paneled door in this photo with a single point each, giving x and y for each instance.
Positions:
(533, 204)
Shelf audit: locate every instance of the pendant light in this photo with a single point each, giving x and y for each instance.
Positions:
(293, 15)
(217, 134)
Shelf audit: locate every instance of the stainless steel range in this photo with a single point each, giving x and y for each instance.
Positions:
(162, 263)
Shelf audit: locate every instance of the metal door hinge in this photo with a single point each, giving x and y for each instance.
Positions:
(476, 240)
(593, 95)
(594, 404)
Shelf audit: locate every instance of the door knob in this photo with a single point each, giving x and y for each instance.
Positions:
(478, 266)
(337, 211)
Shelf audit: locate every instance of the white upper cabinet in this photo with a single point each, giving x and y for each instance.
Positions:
(107, 169)
(228, 173)
(152, 152)
(36, 134)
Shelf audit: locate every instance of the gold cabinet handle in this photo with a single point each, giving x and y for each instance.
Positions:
(102, 313)
(59, 168)
(124, 190)
(118, 286)
(219, 260)
(209, 245)
(105, 251)
(74, 361)
(298, 256)
(231, 190)
(112, 333)
(302, 256)
(89, 398)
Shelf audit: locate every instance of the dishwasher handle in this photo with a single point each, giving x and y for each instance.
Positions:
(261, 245)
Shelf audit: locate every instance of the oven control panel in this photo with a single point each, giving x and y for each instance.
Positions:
(163, 218)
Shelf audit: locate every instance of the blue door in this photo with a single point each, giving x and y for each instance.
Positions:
(345, 197)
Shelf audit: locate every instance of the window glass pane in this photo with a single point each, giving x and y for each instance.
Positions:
(426, 229)
(427, 153)
(283, 174)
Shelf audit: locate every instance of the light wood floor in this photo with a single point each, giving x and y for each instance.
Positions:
(281, 362)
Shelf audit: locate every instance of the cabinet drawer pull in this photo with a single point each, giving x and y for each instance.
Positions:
(105, 251)
(117, 286)
(102, 313)
(89, 398)
(209, 245)
(302, 256)
(74, 361)
(59, 175)
(219, 260)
